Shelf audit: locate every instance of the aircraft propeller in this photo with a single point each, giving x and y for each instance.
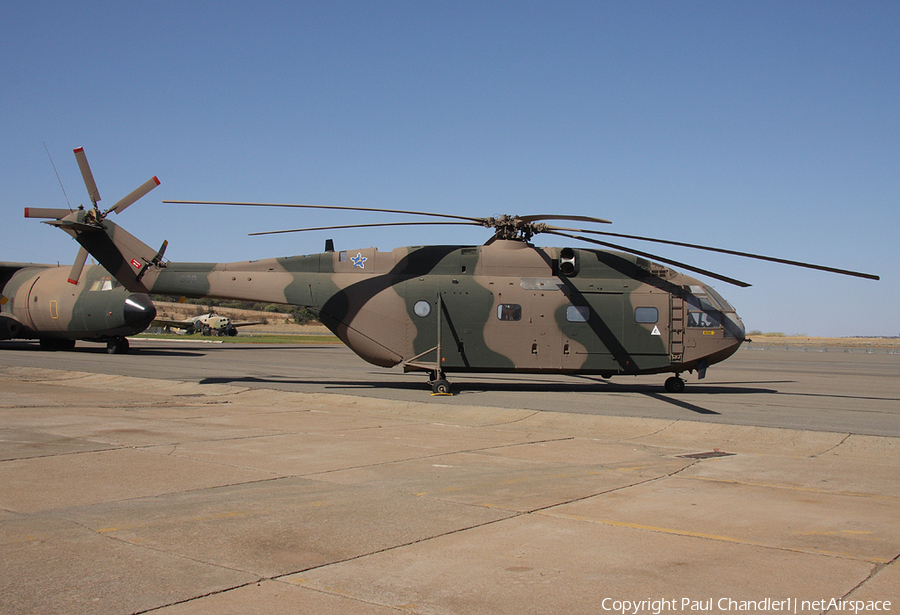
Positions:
(523, 228)
(94, 215)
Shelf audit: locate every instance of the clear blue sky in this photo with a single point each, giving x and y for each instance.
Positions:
(768, 127)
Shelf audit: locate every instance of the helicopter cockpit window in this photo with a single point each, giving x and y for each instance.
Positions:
(719, 299)
(705, 320)
(105, 284)
(646, 315)
(698, 299)
(509, 311)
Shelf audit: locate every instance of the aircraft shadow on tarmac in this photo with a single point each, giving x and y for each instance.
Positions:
(655, 391)
(98, 348)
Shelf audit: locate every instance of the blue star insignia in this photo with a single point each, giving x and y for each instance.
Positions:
(359, 260)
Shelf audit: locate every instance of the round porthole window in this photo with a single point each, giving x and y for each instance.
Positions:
(422, 309)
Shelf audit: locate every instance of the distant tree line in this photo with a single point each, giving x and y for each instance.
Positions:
(299, 315)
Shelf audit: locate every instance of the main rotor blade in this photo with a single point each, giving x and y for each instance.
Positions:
(89, 182)
(77, 266)
(654, 257)
(537, 217)
(134, 195)
(346, 226)
(46, 212)
(333, 207)
(682, 244)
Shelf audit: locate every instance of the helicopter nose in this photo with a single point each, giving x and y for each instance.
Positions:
(734, 327)
(139, 312)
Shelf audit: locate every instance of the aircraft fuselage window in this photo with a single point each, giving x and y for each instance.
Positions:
(509, 311)
(578, 313)
(422, 308)
(646, 315)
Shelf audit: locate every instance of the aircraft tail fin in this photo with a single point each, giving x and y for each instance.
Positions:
(125, 256)
(120, 252)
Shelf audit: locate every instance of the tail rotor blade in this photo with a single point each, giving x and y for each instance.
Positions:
(89, 182)
(77, 266)
(46, 212)
(134, 195)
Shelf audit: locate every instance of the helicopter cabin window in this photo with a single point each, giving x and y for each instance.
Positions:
(646, 315)
(105, 284)
(422, 309)
(342, 256)
(509, 311)
(578, 313)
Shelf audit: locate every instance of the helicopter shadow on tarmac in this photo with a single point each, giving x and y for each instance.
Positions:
(600, 387)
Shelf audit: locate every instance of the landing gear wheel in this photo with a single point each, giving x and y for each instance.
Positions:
(674, 385)
(56, 344)
(117, 345)
(440, 387)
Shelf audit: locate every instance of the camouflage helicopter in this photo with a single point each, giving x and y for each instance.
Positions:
(507, 306)
(58, 305)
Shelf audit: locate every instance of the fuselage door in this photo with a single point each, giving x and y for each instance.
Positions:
(647, 326)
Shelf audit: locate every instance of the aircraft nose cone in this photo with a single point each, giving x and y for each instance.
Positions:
(139, 312)
(736, 327)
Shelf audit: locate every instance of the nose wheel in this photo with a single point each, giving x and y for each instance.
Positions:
(117, 345)
(674, 384)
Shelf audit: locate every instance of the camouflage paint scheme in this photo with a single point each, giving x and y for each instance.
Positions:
(38, 302)
(506, 306)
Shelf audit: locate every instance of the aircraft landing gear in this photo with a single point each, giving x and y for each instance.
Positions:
(117, 345)
(441, 387)
(675, 384)
(56, 344)
(439, 384)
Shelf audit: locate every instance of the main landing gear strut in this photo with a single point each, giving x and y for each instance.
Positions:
(436, 376)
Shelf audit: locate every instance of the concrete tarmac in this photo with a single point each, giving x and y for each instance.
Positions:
(124, 494)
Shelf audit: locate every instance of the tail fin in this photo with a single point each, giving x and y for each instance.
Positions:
(125, 256)
(120, 252)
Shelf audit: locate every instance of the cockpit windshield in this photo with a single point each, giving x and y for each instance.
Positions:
(719, 299)
(105, 284)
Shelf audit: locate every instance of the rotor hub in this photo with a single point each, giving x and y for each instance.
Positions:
(514, 228)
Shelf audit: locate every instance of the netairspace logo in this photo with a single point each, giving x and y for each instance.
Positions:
(727, 605)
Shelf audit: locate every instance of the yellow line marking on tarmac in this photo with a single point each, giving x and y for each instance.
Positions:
(690, 534)
(879, 496)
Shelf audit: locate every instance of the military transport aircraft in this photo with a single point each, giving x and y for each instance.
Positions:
(38, 302)
(206, 324)
(58, 305)
(505, 306)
